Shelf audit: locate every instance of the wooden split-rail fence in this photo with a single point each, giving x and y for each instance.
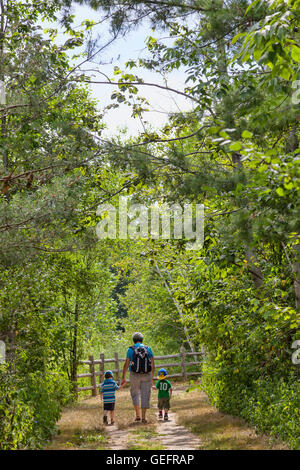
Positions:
(99, 364)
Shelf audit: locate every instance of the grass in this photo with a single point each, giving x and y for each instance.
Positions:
(144, 439)
(216, 430)
(87, 440)
(80, 427)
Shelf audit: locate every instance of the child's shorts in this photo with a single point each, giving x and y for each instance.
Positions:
(108, 406)
(164, 403)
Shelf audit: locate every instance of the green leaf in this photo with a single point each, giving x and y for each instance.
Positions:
(285, 73)
(280, 191)
(239, 188)
(235, 146)
(257, 54)
(289, 185)
(262, 168)
(295, 53)
(237, 37)
(213, 130)
(223, 134)
(246, 134)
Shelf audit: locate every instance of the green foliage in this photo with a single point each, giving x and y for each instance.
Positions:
(271, 404)
(237, 152)
(274, 43)
(30, 406)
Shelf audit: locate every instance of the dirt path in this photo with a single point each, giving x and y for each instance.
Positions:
(175, 437)
(193, 424)
(169, 433)
(117, 438)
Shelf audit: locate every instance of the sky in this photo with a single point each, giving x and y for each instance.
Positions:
(131, 47)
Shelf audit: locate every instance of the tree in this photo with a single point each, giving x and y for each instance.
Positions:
(47, 126)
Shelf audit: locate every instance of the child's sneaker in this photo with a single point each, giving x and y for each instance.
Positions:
(105, 420)
(166, 418)
(160, 415)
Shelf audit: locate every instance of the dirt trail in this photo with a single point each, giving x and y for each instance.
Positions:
(175, 437)
(193, 424)
(117, 438)
(171, 435)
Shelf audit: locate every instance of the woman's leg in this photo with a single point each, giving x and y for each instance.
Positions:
(135, 393)
(146, 383)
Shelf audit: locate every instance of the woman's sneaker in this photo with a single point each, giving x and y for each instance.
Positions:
(105, 420)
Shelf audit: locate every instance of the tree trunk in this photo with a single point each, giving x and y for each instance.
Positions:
(177, 305)
(255, 271)
(74, 352)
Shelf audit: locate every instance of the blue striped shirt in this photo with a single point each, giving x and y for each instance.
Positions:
(108, 388)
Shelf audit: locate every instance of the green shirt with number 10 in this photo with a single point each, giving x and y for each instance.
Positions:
(163, 387)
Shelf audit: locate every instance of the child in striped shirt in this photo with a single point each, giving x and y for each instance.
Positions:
(108, 395)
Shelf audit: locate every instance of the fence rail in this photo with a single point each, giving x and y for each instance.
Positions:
(100, 364)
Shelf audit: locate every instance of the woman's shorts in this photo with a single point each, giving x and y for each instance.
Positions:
(140, 388)
(164, 403)
(109, 406)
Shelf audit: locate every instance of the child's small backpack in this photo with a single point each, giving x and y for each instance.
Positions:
(141, 362)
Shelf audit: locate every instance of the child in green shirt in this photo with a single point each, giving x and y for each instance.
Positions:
(164, 393)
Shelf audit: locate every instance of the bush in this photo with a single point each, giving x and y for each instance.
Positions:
(272, 405)
(16, 417)
(30, 407)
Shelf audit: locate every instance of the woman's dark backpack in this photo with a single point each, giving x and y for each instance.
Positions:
(141, 362)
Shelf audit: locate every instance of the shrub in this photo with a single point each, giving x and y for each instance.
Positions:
(270, 404)
(30, 407)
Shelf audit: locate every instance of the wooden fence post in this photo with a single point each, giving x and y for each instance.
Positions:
(117, 366)
(101, 369)
(93, 377)
(182, 350)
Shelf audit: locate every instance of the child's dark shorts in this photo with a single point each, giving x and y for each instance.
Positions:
(164, 403)
(109, 406)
